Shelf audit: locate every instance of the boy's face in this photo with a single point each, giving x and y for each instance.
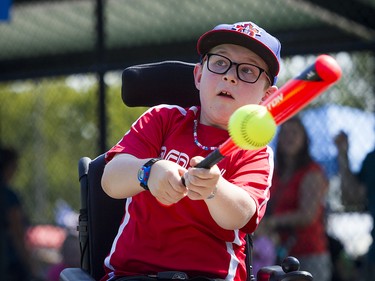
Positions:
(222, 94)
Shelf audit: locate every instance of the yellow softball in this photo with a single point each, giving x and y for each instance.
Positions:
(251, 126)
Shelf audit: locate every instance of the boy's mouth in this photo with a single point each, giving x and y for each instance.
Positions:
(225, 94)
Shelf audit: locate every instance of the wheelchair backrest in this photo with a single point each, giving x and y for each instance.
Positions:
(169, 82)
(100, 218)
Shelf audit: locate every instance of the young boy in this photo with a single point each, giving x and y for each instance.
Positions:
(199, 228)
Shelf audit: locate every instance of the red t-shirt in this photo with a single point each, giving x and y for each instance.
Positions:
(301, 241)
(184, 237)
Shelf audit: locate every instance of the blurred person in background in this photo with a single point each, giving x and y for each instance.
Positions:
(264, 248)
(70, 257)
(17, 263)
(358, 189)
(344, 268)
(296, 210)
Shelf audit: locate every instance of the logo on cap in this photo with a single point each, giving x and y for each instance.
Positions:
(248, 29)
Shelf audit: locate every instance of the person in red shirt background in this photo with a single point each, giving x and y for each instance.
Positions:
(296, 210)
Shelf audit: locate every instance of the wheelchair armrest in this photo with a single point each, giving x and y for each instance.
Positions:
(288, 271)
(268, 273)
(75, 274)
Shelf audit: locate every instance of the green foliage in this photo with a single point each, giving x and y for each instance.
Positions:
(120, 116)
(53, 125)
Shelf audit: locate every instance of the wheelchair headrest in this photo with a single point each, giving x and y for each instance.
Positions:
(167, 82)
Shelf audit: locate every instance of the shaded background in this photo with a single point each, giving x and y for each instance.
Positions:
(60, 79)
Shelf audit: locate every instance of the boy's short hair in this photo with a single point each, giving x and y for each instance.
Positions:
(248, 35)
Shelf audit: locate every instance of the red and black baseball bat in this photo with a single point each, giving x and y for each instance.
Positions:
(292, 97)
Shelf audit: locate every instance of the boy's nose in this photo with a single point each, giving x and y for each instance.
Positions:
(231, 75)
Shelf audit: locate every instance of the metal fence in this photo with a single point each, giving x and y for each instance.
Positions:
(53, 122)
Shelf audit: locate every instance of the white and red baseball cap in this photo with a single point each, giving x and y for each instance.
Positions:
(248, 35)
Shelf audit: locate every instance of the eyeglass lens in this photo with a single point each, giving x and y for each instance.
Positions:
(246, 72)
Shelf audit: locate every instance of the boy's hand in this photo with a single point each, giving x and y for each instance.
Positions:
(165, 182)
(201, 182)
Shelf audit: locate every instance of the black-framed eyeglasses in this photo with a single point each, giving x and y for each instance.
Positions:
(246, 72)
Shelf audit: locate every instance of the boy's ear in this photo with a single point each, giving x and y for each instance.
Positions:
(198, 75)
(270, 90)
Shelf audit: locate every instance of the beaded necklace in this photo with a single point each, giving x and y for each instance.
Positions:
(195, 134)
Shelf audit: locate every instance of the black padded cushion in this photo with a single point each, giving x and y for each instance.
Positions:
(105, 214)
(168, 82)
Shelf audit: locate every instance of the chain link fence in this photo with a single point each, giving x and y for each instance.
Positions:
(53, 122)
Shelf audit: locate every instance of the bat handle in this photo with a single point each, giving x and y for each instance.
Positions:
(213, 158)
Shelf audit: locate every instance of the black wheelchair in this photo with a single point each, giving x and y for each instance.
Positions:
(168, 82)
